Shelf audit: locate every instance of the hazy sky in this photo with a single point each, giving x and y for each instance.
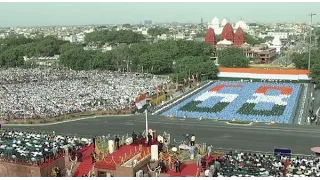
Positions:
(46, 14)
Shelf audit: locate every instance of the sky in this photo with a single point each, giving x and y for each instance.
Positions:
(49, 14)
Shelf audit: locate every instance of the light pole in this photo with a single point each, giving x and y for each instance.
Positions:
(310, 36)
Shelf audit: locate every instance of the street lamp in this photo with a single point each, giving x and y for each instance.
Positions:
(310, 36)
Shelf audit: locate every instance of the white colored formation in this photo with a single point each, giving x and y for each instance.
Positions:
(226, 97)
(262, 98)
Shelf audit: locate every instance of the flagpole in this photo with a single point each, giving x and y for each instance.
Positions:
(147, 129)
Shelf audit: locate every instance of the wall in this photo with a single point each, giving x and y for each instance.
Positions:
(19, 170)
(46, 171)
(293, 115)
(255, 73)
(128, 171)
(264, 76)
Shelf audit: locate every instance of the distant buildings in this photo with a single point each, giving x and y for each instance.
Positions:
(230, 38)
(261, 53)
(75, 38)
(147, 22)
(276, 43)
(218, 26)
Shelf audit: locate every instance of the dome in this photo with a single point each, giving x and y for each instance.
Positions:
(225, 42)
(227, 32)
(224, 22)
(215, 21)
(242, 24)
(210, 37)
(245, 45)
(239, 38)
(276, 41)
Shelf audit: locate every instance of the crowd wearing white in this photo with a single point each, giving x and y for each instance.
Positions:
(37, 93)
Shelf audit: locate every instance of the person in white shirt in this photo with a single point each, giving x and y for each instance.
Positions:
(206, 173)
(192, 140)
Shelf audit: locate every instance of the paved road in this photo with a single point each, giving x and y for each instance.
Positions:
(255, 137)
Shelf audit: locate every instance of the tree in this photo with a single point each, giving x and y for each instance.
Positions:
(122, 55)
(268, 38)
(315, 72)
(253, 40)
(232, 57)
(301, 60)
(192, 65)
(126, 25)
(218, 38)
(201, 34)
(158, 31)
(113, 37)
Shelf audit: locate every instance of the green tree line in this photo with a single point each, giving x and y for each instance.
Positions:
(178, 57)
(113, 37)
(13, 48)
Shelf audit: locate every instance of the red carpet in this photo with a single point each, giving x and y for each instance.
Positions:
(120, 156)
(186, 170)
(86, 165)
(190, 169)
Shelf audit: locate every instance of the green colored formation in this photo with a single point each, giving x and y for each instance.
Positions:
(193, 107)
(248, 109)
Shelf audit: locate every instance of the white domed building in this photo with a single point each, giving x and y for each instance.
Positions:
(225, 43)
(218, 25)
(276, 43)
(215, 25)
(224, 22)
(243, 26)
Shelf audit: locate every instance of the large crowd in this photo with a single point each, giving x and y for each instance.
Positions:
(241, 164)
(37, 93)
(37, 148)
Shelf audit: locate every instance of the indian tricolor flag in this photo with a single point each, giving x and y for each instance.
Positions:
(141, 101)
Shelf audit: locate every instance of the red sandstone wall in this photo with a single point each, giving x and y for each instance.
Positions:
(46, 171)
(18, 170)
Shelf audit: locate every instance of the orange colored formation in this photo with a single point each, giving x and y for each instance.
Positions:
(264, 71)
(210, 37)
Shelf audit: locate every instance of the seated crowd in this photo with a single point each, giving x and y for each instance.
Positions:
(36, 93)
(260, 165)
(37, 148)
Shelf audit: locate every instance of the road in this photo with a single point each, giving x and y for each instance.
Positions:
(219, 134)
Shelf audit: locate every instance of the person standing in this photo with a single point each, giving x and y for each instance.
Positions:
(199, 158)
(58, 171)
(162, 166)
(192, 140)
(93, 157)
(79, 156)
(134, 138)
(177, 164)
(94, 141)
(117, 141)
(140, 137)
(149, 139)
(160, 146)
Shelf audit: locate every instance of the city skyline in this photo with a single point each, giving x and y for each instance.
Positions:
(63, 14)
